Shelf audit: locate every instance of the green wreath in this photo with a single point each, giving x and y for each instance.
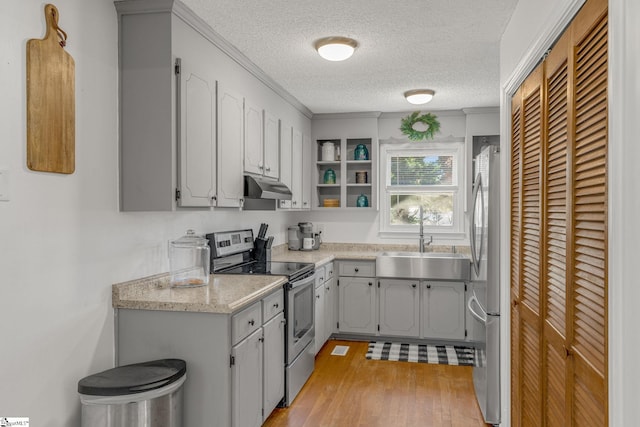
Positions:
(433, 126)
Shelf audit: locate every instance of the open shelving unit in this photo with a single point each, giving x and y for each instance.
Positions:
(346, 189)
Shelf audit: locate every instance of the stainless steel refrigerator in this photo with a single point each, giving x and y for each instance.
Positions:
(484, 299)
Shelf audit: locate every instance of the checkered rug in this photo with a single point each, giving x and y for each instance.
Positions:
(422, 353)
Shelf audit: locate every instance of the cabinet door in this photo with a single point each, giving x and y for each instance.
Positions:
(400, 307)
(357, 305)
(246, 377)
(329, 307)
(253, 137)
(286, 147)
(271, 146)
(296, 170)
(273, 384)
(319, 317)
(306, 172)
(443, 310)
(197, 155)
(230, 177)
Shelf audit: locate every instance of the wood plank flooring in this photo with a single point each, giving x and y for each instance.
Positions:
(353, 391)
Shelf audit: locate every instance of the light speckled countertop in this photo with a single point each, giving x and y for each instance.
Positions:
(227, 293)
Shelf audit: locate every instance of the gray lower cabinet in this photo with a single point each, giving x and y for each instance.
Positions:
(399, 307)
(325, 320)
(235, 363)
(357, 305)
(246, 373)
(443, 310)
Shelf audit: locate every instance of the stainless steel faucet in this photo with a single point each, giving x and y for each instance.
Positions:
(421, 240)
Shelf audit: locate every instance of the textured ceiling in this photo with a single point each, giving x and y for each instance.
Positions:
(450, 46)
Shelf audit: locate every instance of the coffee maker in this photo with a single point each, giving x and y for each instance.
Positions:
(297, 235)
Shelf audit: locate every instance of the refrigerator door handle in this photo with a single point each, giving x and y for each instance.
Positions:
(481, 317)
(472, 232)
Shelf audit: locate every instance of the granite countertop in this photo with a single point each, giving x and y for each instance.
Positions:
(227, 293)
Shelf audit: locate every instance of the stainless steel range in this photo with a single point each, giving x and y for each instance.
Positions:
(237, 252)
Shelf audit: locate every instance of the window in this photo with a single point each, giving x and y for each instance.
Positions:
(422, 174)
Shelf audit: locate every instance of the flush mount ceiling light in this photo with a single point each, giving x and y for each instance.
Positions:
(419, 96)
(336, 48)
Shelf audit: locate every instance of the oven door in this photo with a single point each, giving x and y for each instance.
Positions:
(300, 316)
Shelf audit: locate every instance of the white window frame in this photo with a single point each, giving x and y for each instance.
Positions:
(455, 148)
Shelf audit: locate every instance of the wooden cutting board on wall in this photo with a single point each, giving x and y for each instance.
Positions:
(51, 114)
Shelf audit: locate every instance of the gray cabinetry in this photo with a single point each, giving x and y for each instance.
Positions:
(167, 112)
(235, 363)
(443, 310)
(230, 131)
(325, 321)
(357, 309)
(399, 307)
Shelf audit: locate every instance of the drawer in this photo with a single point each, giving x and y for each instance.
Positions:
(245, 322)
(357, 268)
(320, 276)
(328, 271)
(272, 305)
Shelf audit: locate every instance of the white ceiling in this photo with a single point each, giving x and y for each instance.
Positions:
(450, 46)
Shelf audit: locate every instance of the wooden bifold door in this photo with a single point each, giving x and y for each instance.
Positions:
(559, 231)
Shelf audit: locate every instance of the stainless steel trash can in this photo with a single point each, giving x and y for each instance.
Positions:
(145, 394)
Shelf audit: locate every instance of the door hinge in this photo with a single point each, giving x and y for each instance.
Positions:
(378, 284)
(378, 328)
(338, 283)
(232, 360)
(338, 325)
(465, 333)
(177, 194)
(177, 66)
(465, 287)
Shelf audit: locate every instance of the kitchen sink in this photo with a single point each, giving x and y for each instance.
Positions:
(427, 265)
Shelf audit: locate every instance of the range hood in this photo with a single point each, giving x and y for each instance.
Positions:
(256, 187)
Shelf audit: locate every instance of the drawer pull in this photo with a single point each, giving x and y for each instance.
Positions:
(276, 305)
(413, 285)
(356, 269)
(252, 322)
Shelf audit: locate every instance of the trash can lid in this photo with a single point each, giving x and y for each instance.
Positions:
(135, 378)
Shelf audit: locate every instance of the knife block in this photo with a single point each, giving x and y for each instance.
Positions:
(261, 252)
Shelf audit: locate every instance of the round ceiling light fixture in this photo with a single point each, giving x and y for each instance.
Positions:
(336, 48)
(419, 96)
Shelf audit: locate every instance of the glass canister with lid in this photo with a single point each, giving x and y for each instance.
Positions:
(189, 261)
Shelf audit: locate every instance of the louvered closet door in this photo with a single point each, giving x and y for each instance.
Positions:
(556, 261)
(532, 98)
(516, 224)
(589, 223)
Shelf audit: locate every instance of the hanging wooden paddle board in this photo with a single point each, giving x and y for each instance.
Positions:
(51, 122)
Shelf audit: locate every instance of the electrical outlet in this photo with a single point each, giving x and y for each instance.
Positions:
(320, 229)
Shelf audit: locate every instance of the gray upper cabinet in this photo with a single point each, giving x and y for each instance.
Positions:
(230, 132)
(271, 145)
(167, 112)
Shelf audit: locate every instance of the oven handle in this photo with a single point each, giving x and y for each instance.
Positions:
(302, 282)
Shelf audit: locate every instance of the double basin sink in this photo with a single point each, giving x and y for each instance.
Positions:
(427, 265)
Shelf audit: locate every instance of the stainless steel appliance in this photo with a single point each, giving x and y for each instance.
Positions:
(233, 252)
(484, 298)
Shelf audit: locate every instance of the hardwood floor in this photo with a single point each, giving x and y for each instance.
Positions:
(353, 391)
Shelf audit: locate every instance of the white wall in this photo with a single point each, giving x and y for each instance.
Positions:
(363, 227)
(533, 23)
(63, 242)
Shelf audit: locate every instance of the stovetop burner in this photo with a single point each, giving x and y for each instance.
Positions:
(293, 270)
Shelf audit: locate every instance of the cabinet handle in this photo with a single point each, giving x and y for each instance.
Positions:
(276, 305)
(294, 203)
(413, 285)
(318, 296)
(268, 169)
(356, 269)
(261, 339)
(252, 322)
(370, 283)
(428, 286)
(214, 198)
(327, 288)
